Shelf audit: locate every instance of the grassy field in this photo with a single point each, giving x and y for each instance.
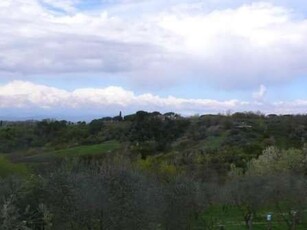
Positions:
(8, 168)
(20, 163)
(232, 219)
(83, 150)
(78, 151)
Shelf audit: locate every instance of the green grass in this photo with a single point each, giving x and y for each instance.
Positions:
(8, 168)
(83, 150)
(232, 219)
(77, 151)
(215, 141)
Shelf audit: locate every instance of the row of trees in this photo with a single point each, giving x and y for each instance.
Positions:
(117, 193)
(155, 133)
(248, 131)
(136, 128)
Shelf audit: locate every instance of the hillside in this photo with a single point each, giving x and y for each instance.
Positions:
(155, 171)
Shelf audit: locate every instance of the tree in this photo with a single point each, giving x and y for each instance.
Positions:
(274, 160)
(244, 193)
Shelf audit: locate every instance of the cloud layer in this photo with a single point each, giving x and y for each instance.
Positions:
(26, 95)
(22, 94)
(235, 47)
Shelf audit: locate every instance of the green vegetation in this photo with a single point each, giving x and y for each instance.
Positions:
(46, 155)
(230, 218)
(155, 171)
(7, 168)
(108, 146)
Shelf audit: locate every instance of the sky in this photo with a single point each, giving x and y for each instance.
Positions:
(83, 59)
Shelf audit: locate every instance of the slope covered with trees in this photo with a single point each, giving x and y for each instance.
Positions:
(155, 171)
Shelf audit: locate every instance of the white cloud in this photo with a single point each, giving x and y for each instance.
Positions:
(291, 107)
(237, 47)
(248, 45)
(259, 95)
(22, 94)
(26, 95)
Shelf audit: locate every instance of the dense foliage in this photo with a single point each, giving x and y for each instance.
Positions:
(155, 171)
